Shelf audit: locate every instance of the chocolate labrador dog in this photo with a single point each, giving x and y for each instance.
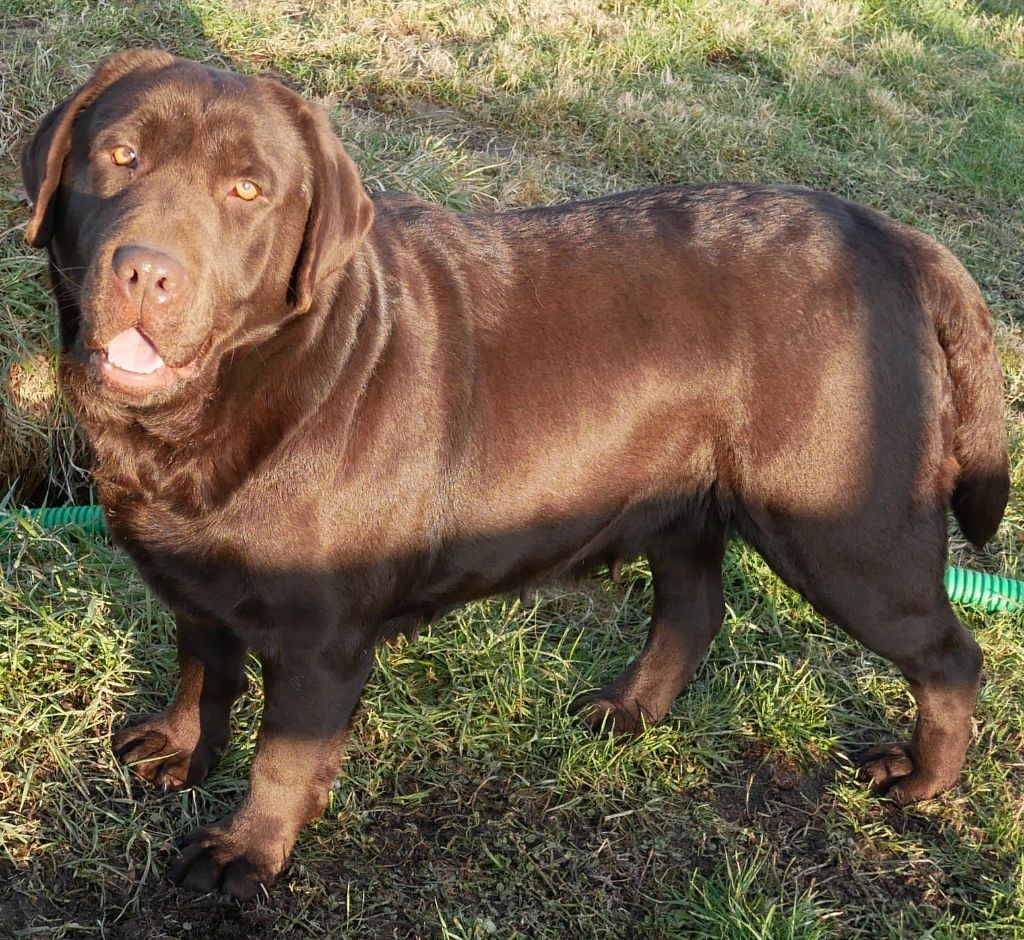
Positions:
(320, 419)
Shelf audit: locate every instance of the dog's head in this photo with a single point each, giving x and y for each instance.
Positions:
(186, 211)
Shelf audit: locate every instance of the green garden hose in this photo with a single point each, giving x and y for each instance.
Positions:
(984, 590)
(971, 588)
(89, 518)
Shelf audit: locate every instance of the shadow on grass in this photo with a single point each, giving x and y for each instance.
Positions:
(468, 791)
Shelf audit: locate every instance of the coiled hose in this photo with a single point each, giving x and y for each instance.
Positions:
(89, 518)
(989, 592)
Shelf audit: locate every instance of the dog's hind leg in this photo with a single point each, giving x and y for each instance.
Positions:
(688, 613)
(881, 581)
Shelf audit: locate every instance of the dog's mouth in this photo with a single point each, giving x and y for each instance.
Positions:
(131, 363)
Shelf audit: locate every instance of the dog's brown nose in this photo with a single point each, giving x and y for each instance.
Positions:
(149, 277)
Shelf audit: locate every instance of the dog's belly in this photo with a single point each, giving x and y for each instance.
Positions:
(472, 567)
(399, 590)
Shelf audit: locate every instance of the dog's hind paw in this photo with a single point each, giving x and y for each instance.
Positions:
(605, 715)
(891, 771)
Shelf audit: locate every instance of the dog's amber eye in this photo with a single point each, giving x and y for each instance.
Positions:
(246, 189)
(123, 156)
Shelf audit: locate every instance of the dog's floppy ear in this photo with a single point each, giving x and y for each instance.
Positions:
(340, 212)
(42, 160)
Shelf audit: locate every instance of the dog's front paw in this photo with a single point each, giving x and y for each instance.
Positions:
(166, 753)
(231, 857)
(605, 714)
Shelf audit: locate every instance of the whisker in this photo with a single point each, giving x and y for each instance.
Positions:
(67, 273)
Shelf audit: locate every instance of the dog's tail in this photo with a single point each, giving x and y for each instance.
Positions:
(964, 328)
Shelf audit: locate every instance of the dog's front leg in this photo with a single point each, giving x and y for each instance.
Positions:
(177, 747)
(310, 696)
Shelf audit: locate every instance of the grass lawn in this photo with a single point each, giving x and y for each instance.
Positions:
(470, 805)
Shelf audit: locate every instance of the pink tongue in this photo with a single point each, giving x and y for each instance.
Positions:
(132, 352)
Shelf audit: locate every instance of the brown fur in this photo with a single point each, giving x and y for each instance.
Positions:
(377, 410)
